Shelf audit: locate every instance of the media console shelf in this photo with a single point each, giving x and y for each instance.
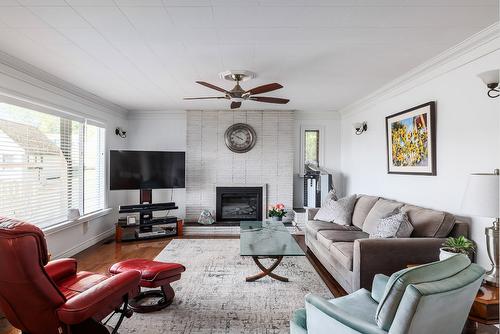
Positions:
(146, 225)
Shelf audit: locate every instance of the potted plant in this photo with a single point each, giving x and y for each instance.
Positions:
(460, 245)
(277, 212)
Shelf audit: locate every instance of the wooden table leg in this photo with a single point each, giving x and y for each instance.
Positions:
(267, 271)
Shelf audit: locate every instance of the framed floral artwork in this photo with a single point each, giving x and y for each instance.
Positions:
(411, 140)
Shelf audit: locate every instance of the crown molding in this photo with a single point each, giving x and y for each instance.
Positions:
(430, 69)
(32, 75)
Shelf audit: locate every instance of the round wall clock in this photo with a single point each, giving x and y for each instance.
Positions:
(240, 138)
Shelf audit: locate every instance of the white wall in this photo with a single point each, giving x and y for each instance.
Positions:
(27, 84)
(329, 123)
(158, 131)
(468, 136)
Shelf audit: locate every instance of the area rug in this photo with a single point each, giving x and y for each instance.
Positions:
(213, 296)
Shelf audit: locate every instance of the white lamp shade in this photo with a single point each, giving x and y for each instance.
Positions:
(481, 197)
(490, 76)
(357, 125)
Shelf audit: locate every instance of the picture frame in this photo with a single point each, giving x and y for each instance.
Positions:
(411, 140)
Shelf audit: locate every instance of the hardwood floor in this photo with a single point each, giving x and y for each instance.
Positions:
(100, 257)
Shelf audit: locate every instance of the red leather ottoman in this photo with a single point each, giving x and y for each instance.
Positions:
(153, 274)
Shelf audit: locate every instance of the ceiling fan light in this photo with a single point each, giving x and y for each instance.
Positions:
(244, 75)
(237, 99)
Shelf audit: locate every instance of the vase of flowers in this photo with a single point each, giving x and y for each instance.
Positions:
(277, 212)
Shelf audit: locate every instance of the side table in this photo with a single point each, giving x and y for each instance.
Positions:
(485, 307)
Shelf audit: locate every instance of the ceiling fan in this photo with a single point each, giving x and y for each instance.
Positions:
(237, 95)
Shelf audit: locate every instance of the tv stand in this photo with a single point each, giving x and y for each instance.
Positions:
(148, 227)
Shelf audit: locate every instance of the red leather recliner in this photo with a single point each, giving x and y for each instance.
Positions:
(41, 297)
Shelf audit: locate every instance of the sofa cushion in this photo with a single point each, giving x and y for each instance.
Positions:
(338, 211)
(361, 209)
(314, 226)
(336, 235)
(381, 209)
(327, 237)
(324, 241)
(399, 281)
(342, 251)
(359, 303)
(428, 222)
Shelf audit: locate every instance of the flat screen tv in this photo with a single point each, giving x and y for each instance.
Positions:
(146, 170)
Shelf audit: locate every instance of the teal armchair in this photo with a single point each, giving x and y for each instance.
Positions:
(431, 298)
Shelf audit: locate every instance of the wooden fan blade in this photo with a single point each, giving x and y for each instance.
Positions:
(205, 98)
(235, 105)
(269, 99)
(264, 88)
(209, 85)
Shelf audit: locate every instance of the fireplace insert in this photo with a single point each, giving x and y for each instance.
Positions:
(236, 204)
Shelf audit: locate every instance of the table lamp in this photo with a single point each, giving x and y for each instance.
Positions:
(482, 199)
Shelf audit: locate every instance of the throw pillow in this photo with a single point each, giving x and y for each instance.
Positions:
(339, 211)
(383, 208)
(395, 226)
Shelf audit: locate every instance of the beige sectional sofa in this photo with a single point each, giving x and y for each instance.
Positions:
(353, 259)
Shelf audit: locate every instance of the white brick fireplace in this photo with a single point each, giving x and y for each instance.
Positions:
(210, 163)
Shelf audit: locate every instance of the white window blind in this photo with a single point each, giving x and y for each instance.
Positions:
(48, 165)
(93, 169)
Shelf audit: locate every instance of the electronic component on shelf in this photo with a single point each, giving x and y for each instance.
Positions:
(158, 230)
(131, 220)
(147, 207)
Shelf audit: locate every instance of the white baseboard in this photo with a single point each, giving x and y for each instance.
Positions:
(84, 245)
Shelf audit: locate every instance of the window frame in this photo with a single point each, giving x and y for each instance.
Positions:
(321, 149)
(74, 116)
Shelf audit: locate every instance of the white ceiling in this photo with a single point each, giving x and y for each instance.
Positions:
(146, 54)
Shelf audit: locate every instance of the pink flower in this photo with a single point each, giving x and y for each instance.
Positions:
(280, 206)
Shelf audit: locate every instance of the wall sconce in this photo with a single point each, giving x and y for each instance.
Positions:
(360, 128)
(491, 79)
(120, 132)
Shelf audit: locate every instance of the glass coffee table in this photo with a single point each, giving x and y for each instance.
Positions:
(267, 240)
